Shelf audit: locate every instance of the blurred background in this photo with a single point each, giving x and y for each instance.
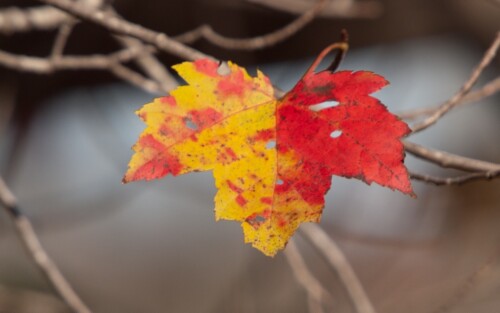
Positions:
(154, 247)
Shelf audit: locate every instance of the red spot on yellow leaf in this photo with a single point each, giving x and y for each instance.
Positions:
(168, 100)
(207, 67)
(266, 200)
(234, 187)
(241, 200)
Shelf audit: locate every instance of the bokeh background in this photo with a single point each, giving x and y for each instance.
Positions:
(154, 247)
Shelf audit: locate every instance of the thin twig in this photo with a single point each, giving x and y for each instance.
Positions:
(453, 101)
(37, 252)
(148, 62)
(254, 43)
(150, 65)
(61, 39)
(445, 159)
(474, 96)
(315, 290)
(459, 180)
(121, 26)
(111, 62)
(332, 253)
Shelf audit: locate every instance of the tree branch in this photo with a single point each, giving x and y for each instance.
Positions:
(38, 253)
(459, 180)
(111, 62)
(315, 290)
(455, 100)
(474, 96)
(121, 26)
(445, 159)
(254, 43)
(332, 253)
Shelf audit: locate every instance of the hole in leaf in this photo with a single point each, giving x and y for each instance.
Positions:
(335, 133)
(223, 69)
(279, 182)
(260, 219)
(271, 144)
(190, 124)
(323, 105)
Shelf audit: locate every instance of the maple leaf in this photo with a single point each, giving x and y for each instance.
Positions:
(272, 159)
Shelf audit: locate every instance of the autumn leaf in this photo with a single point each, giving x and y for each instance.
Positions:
(272, 159)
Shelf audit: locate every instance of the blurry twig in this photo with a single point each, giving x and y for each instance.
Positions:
(112, 62)
(445, 159)
(459, 180)
(120, 26)
(332, 253)
(61, 39)
(254, 43)
(147, 61)
(37, 252)
(474, 96)
(316, 293)
(455, 100)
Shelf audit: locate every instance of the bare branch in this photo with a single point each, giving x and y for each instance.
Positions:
(121, 26)
(38, 253)
(254, 43)
(336, 8)
(446, 159)
(14, 19)
(126, 74)
(474, 96)
(109, 62)
(61, 39)
(147, 61)
(459, 180)
(150, 64)
(332, 253)
(453, 101)
(315, 290)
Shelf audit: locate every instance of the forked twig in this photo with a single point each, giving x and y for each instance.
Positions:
(455, 100)
(120, 26)
(315, 290)
(474, 96)
(254, 43)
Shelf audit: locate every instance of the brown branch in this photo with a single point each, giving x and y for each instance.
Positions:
(61, 39)
(315, 290)
(453, 101)
(254, 43)
(445, 159)
(150, 64)
(121, 26)
(147, 61)
(332, 253)
(111, 62)
(474, 96)
(459, 180)
(37, 252)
